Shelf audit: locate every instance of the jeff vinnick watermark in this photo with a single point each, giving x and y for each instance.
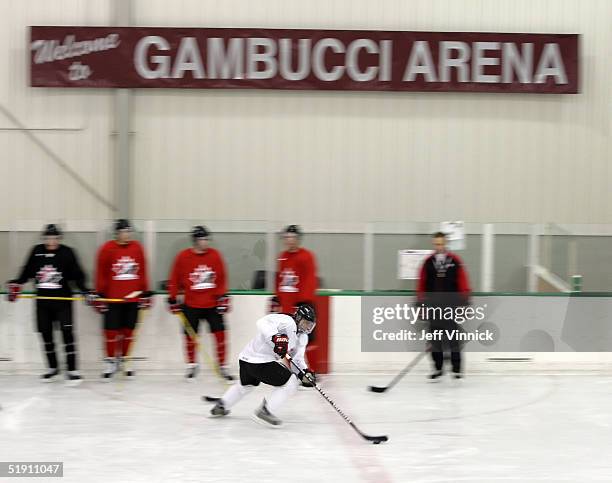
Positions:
(397, 324)
(410, 314)
(488, 323)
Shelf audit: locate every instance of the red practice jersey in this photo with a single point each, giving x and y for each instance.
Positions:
(296, 279)
(121, 269)
(199, 276)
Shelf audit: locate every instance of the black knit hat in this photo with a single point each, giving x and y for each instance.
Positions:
(52, 230)
(293, 230)
(199, 232)
(122, 224)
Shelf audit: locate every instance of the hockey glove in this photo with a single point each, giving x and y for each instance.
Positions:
(281, 344)
(14, 289)
(145, 301)
(173, 306)
(308, 377)
(93, 300)
(223, 304)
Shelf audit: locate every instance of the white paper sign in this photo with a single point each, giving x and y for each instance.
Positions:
(409, 263)
(455, 234)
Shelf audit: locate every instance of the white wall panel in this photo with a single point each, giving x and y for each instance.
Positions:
(76, 124)
(318, 156)
(334, 156)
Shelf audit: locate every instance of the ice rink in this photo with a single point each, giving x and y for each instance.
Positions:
(508, 428)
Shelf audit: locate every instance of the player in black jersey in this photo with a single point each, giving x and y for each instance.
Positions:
(52, 266)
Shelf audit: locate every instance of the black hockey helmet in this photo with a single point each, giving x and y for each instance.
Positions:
(305, 317)
(293, 230)
(52, 230)
(122, 224)
(199, 231)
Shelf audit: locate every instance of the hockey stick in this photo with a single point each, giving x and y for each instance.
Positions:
(372, 439)
(193, 336)
(127, 357)
(40, 297)
(403, 372)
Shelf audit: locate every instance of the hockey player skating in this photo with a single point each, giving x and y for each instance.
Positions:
(264, 360)
(53, 266)
(121, 273)
(198, 275)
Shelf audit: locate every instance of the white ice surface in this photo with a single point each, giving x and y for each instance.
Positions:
(508, 428)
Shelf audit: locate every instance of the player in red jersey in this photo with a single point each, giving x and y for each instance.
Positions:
(198, 275)
(296, 276)
(121, 273)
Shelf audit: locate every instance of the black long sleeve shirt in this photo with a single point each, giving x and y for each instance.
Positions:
(52, 270)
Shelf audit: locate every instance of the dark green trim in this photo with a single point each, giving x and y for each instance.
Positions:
(399, 293)
(250, 292)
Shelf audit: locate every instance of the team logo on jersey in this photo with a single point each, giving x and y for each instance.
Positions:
(202, 278)
(442, 265)
(288, 281)
(48, 277)
(126, 268)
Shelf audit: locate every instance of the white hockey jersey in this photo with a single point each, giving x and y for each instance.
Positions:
(261, 348)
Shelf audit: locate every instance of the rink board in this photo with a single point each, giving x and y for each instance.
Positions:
(159, 345)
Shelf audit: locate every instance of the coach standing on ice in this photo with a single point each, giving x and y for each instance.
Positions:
(443, 283)
(52, 266)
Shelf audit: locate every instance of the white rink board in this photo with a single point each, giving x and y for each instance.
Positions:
(346, 355)
(160, 341)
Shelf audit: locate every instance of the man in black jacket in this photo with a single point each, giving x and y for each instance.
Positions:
(52, 266)
(443, 284)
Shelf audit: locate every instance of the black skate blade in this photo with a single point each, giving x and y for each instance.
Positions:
(210, 399)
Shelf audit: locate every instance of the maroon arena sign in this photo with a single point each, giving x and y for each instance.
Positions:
(303, 59)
